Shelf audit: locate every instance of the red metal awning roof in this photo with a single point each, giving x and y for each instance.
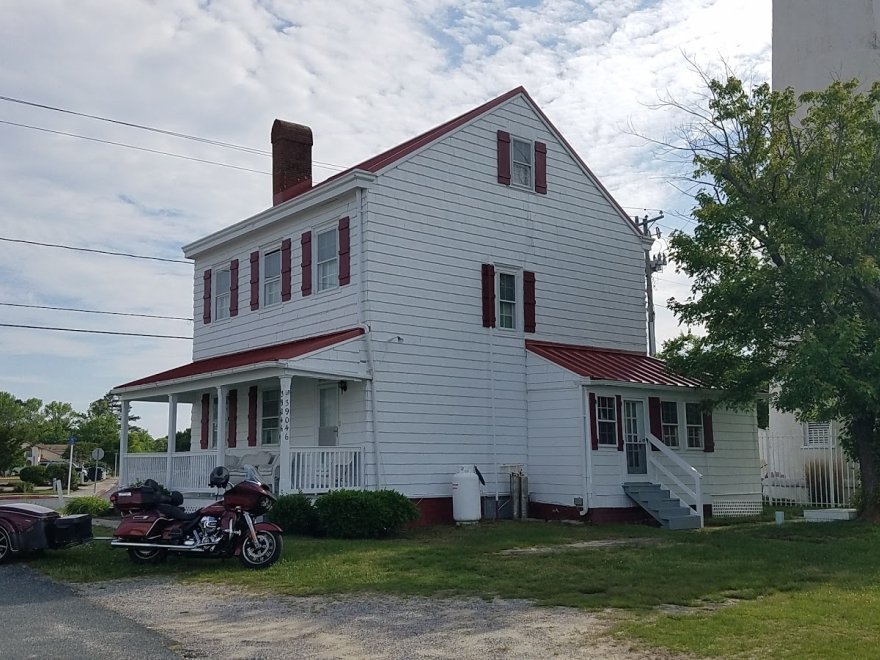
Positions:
(610, 364)
(284, 351)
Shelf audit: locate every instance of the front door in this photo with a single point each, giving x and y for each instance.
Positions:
(328, 413)
(634, 437)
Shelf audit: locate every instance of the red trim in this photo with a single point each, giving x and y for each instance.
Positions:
(206, 296)
(656, 420)
(528, 301)
(255, 280)
(285, 270)
(545, 511)
(594, 427)
(619, 404)
(503, 152)
(206, 421)
(252, 416)
(488, 296)
(233, 287)
(344, 252)
(434, 511)
(610, 516)
(541, 168)
(708, 433)
(306, 246)
(231, 417)
(276, 352)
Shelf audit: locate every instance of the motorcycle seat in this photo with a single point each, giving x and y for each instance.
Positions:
(176, 512)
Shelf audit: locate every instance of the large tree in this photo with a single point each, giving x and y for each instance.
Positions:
(21, 424)
(785, 256)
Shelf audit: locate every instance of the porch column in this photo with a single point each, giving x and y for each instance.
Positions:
(284, 436)
(123, 443)
(172, 432)
(220, 412)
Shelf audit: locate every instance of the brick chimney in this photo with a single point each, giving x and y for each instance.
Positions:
(291, 160)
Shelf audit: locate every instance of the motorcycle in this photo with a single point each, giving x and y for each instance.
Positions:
(155, 524)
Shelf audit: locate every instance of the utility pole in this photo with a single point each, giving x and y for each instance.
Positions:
(652, 265)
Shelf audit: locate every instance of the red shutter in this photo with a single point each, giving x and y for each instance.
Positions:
(541, 168)
(206, 420)
(206, 297)
(233, 288)
(504, 157)
(252, 417)
(306, 244)
(619, 423)
(594, 428)
(528, 301)
(344, 252)
(488, 271)
(708, 433)
(255, 280)
(656, 424)
(285, 269)
(231, 417)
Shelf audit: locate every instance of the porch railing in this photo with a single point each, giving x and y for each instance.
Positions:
(692, 496)
(322, 469)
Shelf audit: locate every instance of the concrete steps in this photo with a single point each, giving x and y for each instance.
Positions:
(666, 509)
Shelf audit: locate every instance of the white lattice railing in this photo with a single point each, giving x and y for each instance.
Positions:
(322, 469)
(140, 467)
(190, 470)
(667, 478)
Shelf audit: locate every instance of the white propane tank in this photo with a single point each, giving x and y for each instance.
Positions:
(466, 495)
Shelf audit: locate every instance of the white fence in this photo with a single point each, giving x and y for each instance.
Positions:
(797, 472)
(323, 469)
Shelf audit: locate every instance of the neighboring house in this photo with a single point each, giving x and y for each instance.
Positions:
(46, 454)
(473, 296)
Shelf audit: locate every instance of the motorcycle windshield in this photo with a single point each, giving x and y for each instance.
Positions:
(250, 473)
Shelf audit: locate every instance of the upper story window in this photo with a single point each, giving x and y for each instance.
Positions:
(521, 151)
(222, 287)
(272, 277)
(606, 420)
(669, 423)
(507, 301)
(327, 260)
(693, 414)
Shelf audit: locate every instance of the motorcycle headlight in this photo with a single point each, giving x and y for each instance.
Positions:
(266, 503)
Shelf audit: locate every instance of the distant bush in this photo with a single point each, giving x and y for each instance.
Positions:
(59, 471)
(24, 487)
(359, 514)
(94, 506)
(295, 514)
(34, 474)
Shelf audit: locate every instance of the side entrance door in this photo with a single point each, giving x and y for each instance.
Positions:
(633, 437)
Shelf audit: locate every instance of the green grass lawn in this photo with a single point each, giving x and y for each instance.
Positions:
(799, 589)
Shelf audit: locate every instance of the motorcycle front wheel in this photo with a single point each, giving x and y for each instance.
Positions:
(147, 555)
(263, 553)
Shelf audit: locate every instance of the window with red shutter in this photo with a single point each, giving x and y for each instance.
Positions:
(503, 149)
(285, 270)
(594, 426)
(654, 418)
(231, 417)
(255, 280)
(488, 286)
(619, 404)
(344, 252)
(528, 301)
(252, 416)
(540, 168)
(206, 296)
(233, 287)
(306, 246)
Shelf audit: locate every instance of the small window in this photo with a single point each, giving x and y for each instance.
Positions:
(606, 420)
(817, 434)
(327, 260)
(669, 423)
(221, 294)
(693, 414)
(522, 162)
(272, 278)
(270, 417)
(507, 301)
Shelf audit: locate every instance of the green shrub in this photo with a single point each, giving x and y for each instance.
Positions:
(94, 506)
(59, 471)
(359, 514)
(24, 487)
(34, 474)
(295, 514)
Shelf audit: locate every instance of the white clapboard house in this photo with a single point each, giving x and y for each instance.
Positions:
(473, 296)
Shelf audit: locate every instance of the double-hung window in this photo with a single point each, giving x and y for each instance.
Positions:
(606, 420)
(521, 152)
(817, 434)
(272, 278)
(221, 294)
(693, 414)
(669, 423)
(507, 301)
(327, 260)
(270, 417)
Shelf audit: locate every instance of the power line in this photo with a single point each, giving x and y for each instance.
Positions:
(82, 249)
(97, 332)
(95, 311)
(132, 146)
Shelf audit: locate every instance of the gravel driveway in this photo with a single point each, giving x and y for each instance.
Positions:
(209, 621)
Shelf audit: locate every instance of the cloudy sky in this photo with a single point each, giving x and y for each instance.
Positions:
(364, 75)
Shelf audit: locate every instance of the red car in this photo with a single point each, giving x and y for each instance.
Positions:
(31, 527)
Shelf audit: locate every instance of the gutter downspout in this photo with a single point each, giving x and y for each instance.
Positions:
(492, 394)
(588, 454)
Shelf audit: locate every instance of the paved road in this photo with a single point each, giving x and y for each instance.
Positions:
(42, 619)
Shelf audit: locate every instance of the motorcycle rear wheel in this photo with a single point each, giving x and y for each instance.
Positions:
(262, 555)
(146, 556)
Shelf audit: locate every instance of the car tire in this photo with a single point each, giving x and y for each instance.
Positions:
(5, 545)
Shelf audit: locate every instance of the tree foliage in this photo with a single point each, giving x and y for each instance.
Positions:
(785, 257)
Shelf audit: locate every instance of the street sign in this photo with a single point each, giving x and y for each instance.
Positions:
(97, 453)
(71, 440)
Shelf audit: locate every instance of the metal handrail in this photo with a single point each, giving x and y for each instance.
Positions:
(697, 493)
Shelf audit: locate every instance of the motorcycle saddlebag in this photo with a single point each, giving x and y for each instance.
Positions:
(135, 499)
(70, 530)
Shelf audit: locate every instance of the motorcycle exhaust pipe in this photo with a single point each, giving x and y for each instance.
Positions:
(159, 546)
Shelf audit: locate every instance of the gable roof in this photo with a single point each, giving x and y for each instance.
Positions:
(610, 364)
(271, 353)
